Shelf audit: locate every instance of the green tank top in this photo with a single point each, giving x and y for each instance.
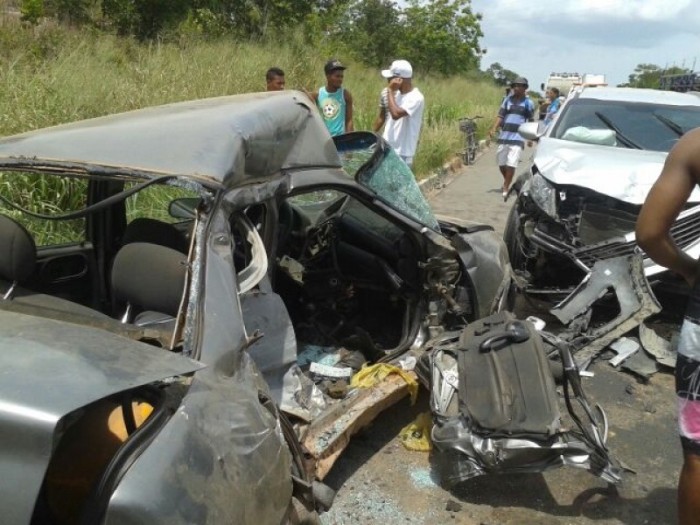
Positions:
(332, 107)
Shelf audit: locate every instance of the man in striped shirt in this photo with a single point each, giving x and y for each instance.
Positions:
(516, 109)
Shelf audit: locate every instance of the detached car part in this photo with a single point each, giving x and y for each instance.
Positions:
(496, 410)
(621, 277)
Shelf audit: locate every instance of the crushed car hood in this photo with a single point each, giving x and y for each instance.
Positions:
(621, 173)
(49, 369)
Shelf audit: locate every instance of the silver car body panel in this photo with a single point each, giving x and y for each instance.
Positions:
(226, 140)
(485, 258)
(50, 369)
(624, 275)
(221, 458)
(620, 173)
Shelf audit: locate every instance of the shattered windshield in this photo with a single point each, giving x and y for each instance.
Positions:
(389, 177)
(654, 127)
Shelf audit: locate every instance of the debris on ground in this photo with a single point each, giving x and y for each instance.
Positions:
(416, 435)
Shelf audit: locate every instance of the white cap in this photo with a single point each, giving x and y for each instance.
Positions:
(399, 68)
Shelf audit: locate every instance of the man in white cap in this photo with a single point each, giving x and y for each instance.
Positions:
(405, 104)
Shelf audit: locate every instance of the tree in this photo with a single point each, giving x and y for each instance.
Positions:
(144, 18)
(31, 11)
(260, 18)
(373, 30)
(441, 36)
(649, 75)
(501, 76)
(71, 11)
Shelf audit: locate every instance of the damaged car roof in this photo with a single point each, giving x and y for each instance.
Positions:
(229, 140)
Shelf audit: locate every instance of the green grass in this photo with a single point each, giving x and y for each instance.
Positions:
(52, 75)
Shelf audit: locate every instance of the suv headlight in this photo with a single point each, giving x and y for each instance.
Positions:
(543, 194)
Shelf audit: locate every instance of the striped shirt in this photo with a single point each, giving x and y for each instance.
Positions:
(513, 114)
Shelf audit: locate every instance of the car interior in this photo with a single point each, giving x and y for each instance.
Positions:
(347, 275)
(56, 270)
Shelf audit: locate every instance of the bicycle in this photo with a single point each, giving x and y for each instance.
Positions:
(467, 125)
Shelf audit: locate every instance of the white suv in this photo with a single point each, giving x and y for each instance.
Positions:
(593, 167)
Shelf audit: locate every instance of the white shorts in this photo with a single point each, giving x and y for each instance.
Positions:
(408, 161)
(508, 155)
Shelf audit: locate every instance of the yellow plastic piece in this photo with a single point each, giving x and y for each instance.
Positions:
(84, 451)
(370, 375)
(416, 435)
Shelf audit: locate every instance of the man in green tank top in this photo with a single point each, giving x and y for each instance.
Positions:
(333, 100)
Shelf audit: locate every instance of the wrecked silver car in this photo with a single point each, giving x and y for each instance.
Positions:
(591, 172)
(186, 291)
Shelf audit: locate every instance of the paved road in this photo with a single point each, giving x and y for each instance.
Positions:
(475, 194)
(378, 481)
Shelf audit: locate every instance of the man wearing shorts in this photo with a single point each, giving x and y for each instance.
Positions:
(667, 198)
(515, 109)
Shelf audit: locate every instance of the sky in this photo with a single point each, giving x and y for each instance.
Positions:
(609, 37)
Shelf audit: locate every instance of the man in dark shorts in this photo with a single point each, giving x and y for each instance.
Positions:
(668, 196)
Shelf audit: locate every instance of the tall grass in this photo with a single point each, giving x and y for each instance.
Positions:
(50, 75)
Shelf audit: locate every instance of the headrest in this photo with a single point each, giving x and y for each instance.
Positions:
(149, 276)
(17, 251)
(154, 231)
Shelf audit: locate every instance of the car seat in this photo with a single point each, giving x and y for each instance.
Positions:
(17, 255)
(144, 229)
(18, 262)
(148, 280)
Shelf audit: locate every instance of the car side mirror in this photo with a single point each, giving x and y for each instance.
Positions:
(184, 208)
(531, 130)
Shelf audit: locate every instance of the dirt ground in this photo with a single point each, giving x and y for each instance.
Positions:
(379, 481)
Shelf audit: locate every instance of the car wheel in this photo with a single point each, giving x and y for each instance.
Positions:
(511, 237)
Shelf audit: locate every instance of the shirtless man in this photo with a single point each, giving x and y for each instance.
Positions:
(667, 197)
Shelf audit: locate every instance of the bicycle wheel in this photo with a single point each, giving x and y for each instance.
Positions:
(472, 154)
(471, 149)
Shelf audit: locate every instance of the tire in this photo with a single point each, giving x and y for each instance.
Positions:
(471, 155)
(511, 237)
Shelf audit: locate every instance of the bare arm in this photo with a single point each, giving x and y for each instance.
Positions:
(348, 112)
(665, 201)
(379, 121)
(496, 124)
(395, 110)
(313, 95)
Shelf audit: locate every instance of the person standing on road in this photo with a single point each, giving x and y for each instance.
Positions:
(667, 198)
(554, 104)
(333, 100)
(274, 79)
(515, 109)
(405, 104)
